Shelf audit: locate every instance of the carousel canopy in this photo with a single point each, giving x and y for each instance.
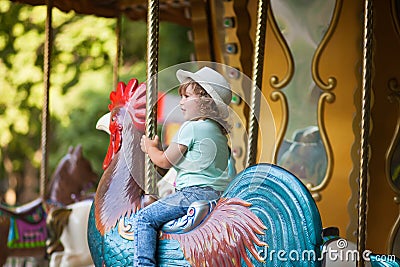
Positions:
(170, 10)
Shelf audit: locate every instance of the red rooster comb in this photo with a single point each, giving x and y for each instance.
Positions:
(133, 94)
(131, 97)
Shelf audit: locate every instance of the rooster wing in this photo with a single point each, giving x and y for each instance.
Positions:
(223, 237)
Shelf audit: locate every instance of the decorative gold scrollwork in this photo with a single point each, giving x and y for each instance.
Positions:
(279, 84)
(125, 230)
(331, 83)
(395, 15)
(274, 80)
(326, 97)
(276, 96)
(393, 85)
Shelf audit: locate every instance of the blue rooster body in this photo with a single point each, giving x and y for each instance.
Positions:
(281, 202)
(110, 249)
(265, 209)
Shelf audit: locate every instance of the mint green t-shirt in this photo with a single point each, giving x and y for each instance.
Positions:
(205, 162)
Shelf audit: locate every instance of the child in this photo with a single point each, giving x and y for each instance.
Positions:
(199, 152)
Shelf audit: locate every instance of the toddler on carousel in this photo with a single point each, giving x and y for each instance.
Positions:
(199, 152)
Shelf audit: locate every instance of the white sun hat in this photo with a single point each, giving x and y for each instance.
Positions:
(215, 85)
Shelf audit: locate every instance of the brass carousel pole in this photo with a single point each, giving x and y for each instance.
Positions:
(365, 128)
(257, 72)
(45, 109)
(153, 10)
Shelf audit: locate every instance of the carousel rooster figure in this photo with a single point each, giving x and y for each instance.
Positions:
(264, 211)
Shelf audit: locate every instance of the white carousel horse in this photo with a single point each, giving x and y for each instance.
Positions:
(70, 183)
(74, 236)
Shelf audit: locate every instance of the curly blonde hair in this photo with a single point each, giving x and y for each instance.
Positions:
(208, 108)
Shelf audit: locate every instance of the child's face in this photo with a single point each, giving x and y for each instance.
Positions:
(190, 104)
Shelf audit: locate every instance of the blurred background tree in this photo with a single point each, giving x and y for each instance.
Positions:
(81, 81)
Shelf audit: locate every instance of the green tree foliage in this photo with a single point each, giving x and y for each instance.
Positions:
(174, 47)
(81, 80)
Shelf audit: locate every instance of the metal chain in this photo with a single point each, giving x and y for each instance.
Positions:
(365, 128)
(258, 67)
(153, 11)
(45, 109)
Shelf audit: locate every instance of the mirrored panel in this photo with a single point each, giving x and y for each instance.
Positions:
(303, 25)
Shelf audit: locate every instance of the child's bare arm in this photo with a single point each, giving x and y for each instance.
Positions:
(164, 159)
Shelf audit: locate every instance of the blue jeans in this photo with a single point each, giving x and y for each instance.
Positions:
(150, 219)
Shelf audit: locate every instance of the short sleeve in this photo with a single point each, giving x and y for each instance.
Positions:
(185, 135)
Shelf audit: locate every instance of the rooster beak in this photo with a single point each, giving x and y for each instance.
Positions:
(103, 123)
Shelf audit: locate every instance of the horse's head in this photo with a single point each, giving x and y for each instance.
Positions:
(128, 107)
(81, 169)
(73, 176)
